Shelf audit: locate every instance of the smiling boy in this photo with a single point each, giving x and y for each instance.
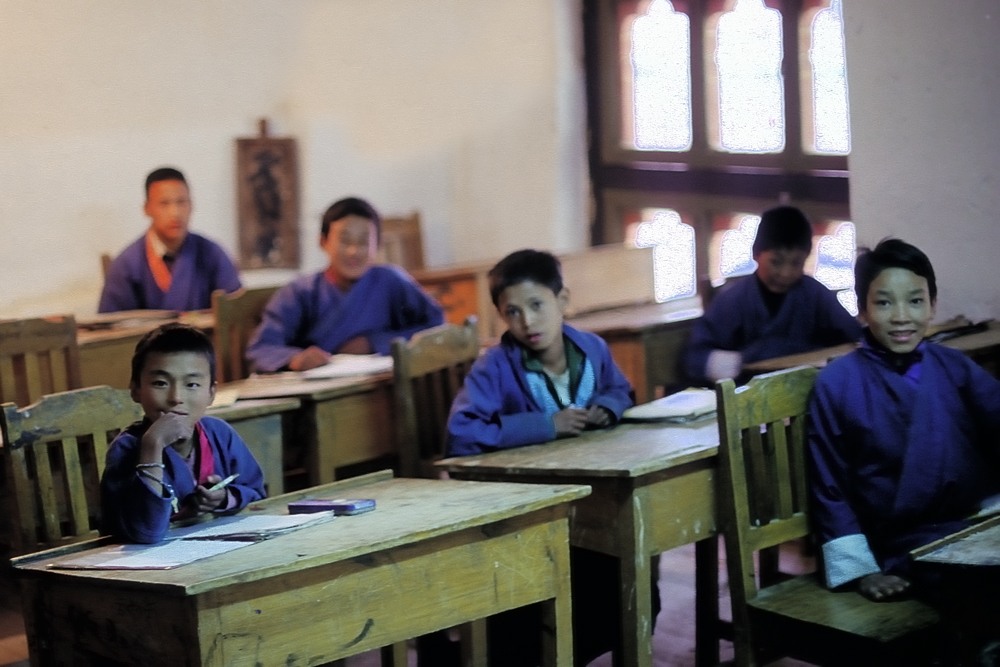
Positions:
(162, 468)
(903, 445)
(352, 307)
(775, 312)
(170, 267)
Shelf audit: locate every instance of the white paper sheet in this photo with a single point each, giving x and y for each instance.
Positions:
(343, 365)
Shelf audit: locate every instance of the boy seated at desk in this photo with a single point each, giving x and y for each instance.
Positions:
(545, 380)
(169, 268)
(775, 312)
(903, 433)
(166, 466)
(350, 308)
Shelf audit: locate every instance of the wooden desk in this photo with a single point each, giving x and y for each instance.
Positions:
(342, 421)
(646, 341)
(653, 490)
(262, 424)
(434, 554)
(106, 354)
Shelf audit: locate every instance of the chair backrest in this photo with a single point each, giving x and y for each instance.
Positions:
(762, 450)
(429, 370)
(236, 317)
(402, 242)
(55, 452)
(37, 357)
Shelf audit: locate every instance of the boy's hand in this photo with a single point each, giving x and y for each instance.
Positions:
(570, 421)
(881, 587)
(358, 345)
(723, 364)
(311, 357)
(598, 416)
(169, 428)
(207, 501)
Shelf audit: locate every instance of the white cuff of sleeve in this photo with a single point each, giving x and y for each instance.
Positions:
(723, 364)
(848, 558)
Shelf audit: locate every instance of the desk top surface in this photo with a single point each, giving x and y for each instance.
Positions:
(135, 323)
(408, 511)
(978, 545)
(628, 450)
(283, 385)
(636, 318)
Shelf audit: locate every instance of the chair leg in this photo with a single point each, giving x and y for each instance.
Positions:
(473, 641)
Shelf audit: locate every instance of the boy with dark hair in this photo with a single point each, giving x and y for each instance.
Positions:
(903, 433)
(168, 268)
(165, 467)
(775, 312)
(350, 308)
(545, 379)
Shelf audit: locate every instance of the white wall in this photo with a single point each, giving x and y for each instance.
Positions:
(470, 111)
(925, 165)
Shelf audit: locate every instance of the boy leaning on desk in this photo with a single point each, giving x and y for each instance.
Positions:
(545, 380)
(176, 463)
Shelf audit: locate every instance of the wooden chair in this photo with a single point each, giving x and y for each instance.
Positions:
(37, 357)
(762, 433)
(402, 242)
(429, 371)
(55, 452)
(236, 317)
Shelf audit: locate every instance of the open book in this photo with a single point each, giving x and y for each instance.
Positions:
(190, 543)
(343, 365)
(684, 406)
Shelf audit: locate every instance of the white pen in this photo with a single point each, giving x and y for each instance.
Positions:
(224, 483)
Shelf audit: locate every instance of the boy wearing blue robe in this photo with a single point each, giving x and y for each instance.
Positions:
(165, 467)
(169, 268)
(545, 380)
(775, 312)
(350, 308)
(903, 433)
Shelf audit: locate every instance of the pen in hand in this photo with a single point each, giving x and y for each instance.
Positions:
(224, 483)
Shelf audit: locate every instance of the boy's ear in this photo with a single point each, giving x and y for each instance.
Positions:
(563, 299)
(133, 390)
(211, 391)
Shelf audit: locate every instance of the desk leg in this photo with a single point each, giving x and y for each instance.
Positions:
(706, 602)
(557, 622)
(394, 655)
(474, 643)
(636, 607)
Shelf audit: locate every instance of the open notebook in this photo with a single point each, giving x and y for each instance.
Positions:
(190, 543)
(343, 365)
(684, 406)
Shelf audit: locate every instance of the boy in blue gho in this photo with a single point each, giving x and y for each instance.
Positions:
(903, 433)
(163, 468)
(545, 379)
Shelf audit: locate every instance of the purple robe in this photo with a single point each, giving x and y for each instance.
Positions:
(384, 304)
(810, 318)
(200, 268)
(896, 461)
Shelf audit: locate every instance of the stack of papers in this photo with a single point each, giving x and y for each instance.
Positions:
(186, 545)
(684, 406)
(343, 365)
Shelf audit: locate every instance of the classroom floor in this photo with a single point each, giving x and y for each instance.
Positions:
(673, 640)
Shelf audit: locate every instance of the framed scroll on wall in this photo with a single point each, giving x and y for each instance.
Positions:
(267, 201)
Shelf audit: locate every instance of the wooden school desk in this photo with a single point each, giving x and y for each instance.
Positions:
(433, 554)
(646, 341)
(342, 421)
(653, 490)
(107, 342)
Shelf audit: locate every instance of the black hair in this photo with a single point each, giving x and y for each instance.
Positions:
(890, 254)
(164, 174)
(783, 227)
(172, 337)
(350, 206)
(523, 266)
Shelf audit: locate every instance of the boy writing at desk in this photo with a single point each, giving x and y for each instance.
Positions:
(170, 465)
(350, 308)
(545, 380)
(775, 312)
(903, 437)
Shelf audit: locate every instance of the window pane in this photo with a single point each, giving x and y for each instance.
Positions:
(748, 57)
(673, 252)
(730, 252)
(660, 63)
(834, 256)
(832, 133)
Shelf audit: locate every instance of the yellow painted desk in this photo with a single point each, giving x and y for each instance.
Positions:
(434, 554)
(106, 351)
(342, 421)
(262, 424)
(646, 341)
(653, 490)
